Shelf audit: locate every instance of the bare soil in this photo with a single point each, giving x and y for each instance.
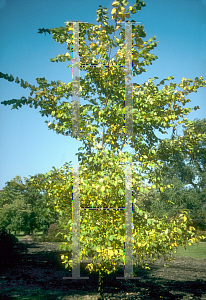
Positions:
(36, 273)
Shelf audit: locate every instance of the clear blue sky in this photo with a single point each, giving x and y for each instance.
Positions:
(27, 147)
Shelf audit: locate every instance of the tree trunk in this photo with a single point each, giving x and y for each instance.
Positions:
(101, 287)
(45, 230)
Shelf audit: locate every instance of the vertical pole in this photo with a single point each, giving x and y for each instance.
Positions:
(75, 80)
(75, 131)
(128, 130)
(128, 271)
(128, 224)
(128, 80)
(75, 227)
(128, 179)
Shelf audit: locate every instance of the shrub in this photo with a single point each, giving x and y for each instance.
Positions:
(36, 238)
(8, 244)
(52, 232)
(201, 232)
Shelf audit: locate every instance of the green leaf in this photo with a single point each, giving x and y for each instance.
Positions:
(140, 212)
(120, 192)
(179, 230)
(121, 251)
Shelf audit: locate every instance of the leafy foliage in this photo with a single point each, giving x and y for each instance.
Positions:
(21, 208)
(7, 249)
(53, 234)
(185, 171)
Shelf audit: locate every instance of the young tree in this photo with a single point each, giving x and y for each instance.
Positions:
(103, 231)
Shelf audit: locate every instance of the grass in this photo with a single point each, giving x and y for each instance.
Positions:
(194, 251)
(197, 250)
(22, 234)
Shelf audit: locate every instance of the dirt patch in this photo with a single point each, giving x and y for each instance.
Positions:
(26, 238)
(38, 275)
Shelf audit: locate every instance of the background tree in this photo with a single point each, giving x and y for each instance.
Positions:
(103, 231)
(22, 208)
(10, 191)
(8, 196)
(37, 197)
(187, 172)
(17, 216)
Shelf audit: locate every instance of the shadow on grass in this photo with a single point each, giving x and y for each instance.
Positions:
(38, 274)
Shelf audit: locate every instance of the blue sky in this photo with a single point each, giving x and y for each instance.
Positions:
(27, 147)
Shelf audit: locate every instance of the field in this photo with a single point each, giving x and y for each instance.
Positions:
(197, 251)
(39, 276)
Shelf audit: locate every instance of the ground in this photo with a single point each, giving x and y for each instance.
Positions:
(39, 275)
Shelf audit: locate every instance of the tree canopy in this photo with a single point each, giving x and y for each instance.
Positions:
(22, 207)
(102, 174)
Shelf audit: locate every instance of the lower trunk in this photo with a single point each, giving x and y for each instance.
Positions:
(101, 287)
(44, 232)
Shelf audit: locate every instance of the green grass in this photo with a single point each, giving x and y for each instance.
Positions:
(194, 251)
(22, 234)
(197, 250)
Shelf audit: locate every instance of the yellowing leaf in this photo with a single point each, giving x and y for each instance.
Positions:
(119, 52)
(102, 188)
(185, 218)
(127, 15)
(130, 8)
(115, 3)
(114, 10)
(122, 9)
